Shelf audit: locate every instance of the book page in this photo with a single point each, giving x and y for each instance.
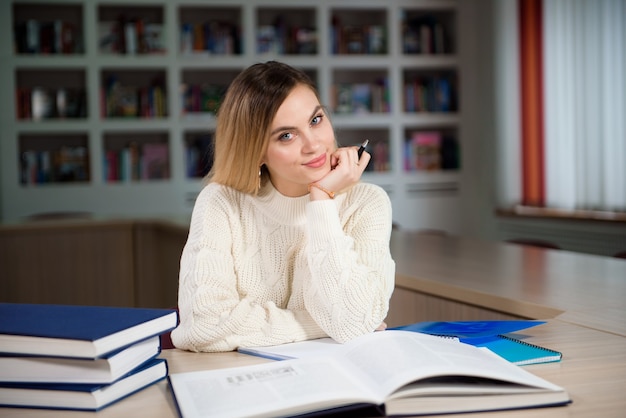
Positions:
(385, 361)
(279, 388)
(301, 349)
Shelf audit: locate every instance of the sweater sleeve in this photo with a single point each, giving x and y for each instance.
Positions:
(214, 314)
(353, 273)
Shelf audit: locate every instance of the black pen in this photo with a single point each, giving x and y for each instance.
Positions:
(362, 148)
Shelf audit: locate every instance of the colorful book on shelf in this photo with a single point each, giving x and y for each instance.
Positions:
(89, 397)
(106, 369)
(76, 331)
(426, 147)
(155, 161)
(361, 98)
(343, 98)
(491, 334)
(400, 372)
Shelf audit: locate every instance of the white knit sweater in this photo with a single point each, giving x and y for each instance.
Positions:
(272, 269)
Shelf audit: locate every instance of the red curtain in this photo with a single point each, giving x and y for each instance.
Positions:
(531, 73)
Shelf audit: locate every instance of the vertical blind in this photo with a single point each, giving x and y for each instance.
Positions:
(583, 55)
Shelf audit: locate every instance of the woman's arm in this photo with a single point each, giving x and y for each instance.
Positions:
(352, 270)
(216, 314)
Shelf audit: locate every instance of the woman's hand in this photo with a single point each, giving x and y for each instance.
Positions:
(346, 170)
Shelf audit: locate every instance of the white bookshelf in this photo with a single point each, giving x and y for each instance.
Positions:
(421, 199)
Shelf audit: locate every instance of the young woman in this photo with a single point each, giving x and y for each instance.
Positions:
(285, 244)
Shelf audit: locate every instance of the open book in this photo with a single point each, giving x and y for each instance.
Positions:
(402, 372)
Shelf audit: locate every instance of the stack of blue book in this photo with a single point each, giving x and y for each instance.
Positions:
(79, 357)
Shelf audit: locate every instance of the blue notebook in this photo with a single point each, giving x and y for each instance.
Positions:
(516, 351)
(78, 331)
(490, 334)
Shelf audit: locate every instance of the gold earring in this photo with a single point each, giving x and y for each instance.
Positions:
(259, 184)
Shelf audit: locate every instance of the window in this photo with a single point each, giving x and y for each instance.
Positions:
(572, 68)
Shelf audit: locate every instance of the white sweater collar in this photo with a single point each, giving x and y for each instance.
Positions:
(283, 209)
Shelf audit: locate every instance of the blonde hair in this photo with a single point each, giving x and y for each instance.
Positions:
(244, 121)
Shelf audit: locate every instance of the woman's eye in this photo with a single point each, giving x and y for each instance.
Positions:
(285, 136)
(317, 119)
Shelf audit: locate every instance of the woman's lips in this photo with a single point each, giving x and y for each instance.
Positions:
(317, 162)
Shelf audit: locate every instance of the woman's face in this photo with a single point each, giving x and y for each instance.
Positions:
(301, 143)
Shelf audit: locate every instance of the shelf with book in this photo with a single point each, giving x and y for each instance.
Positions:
(130, 30)
(50, 94)
(210, 30)
(430, 90)
(286, 31)
(55, 29)
(356, 91)
(428, 31)
(140, 156)
(134, 93)
(431, 149)
(358, 31)
(173, 89)
(53, 158)
(201, 90)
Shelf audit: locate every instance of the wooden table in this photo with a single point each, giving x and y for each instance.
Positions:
(447, 278)
(581, 296)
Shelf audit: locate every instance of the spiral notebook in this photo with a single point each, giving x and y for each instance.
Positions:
(491, 334)
(516, 351)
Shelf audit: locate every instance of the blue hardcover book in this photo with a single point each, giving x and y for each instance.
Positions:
(490, 334)
(19, 368)
(88, 397)
(78, 331)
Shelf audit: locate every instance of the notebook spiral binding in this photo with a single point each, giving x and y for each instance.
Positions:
(557, 353)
